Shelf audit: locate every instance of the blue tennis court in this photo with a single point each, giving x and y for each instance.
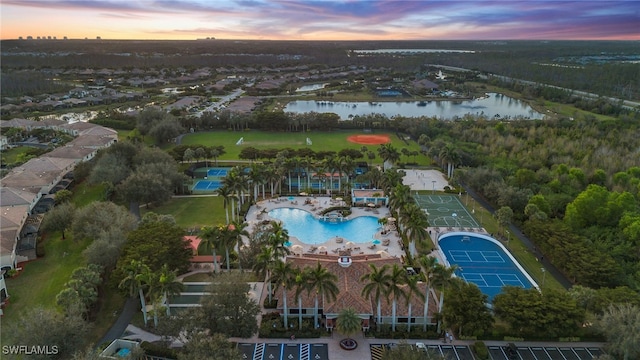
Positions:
(483, 261)
(219, 172)
(207, 185)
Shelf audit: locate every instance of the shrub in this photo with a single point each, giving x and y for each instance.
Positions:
(481, 351)
(158, 350)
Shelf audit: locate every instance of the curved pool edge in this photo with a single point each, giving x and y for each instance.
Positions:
(496, 242)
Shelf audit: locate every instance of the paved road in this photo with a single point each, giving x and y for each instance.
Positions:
(117, 329)
(223, 100)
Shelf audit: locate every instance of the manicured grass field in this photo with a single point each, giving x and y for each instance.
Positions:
(321, 141)
(193, 212)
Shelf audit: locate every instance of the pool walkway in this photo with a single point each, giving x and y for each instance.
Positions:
(389, 240)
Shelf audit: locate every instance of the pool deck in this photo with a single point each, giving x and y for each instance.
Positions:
(333, 245)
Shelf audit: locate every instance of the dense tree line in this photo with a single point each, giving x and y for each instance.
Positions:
(527, 60)
(29, 83)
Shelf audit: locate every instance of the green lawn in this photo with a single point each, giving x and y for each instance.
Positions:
(41, 280)
(10, 156)
(193, 212)
(321, 141)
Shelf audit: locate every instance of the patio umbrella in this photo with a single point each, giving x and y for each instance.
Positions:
(339, 198)
(303, 194)
(383, 254)
(297, 249)
(322, 249)
(391, 219)
(376, 242)
(349, 245)
(371, 205)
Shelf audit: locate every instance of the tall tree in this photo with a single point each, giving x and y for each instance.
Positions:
(281, 274)
(227, 198)
(378, 282)
(59, 218)
(210, 240)
(620, 323)
(412, 290)
(133, 283)
(397, 278)
(237, 231)
(465, 310)
(168, 285)
(323, 283)
(428, 265)
(442, 278)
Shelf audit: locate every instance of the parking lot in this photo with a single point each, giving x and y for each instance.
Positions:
(463, 352)
(544, 353)
(264, 351)
(455, 352)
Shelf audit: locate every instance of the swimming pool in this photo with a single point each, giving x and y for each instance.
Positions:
(309, 230)
(483, 261)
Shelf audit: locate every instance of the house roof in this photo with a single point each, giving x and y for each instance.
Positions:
(7, 240)
(368, 193)
(13, 217)
(36, 172)
(69, 152)
(350, 287)
(10, 196)
(18, 123)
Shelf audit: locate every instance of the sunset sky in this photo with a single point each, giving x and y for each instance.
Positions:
(321, 19)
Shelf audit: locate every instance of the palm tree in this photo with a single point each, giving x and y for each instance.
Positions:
(348, 322)
(168, 285)
(397, 278)
(323, 282)
(301, 285)
(151, 280)
(451, 156)
(227, 197)
(347, 165)
(412, 290)
(442, 278)
(429, 267)
(210, 236)
(389, 154)
(262, 265)
(281, 275)
(133, 282)
(415, 222)
(256, 177)
(331, 163)
(278, 237)
(237, 231)
(378, 283)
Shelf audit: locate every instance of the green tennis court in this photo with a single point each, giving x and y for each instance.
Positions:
(446, 211)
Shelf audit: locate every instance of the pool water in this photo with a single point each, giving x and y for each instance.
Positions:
(309, 230)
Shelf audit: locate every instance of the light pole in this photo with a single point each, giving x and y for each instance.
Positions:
(544, 275)
(433, 188)
(508, 237)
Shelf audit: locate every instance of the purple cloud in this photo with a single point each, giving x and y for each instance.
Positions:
(495, 19)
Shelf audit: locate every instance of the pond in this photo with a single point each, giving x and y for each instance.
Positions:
(492, 106)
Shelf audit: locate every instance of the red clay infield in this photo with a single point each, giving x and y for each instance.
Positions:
(369, 139)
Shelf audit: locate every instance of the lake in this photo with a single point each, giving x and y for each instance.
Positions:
(492, 106)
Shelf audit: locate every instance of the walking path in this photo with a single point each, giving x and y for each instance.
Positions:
(532, 248)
